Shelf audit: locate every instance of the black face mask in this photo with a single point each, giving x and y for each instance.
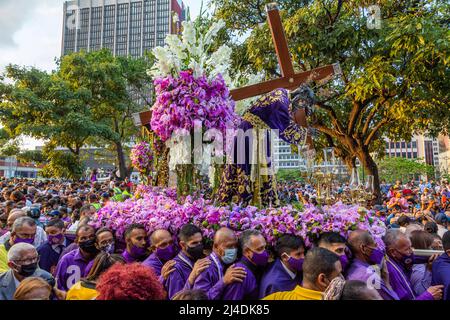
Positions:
(88, 246)
(28, 270)
(195, 252)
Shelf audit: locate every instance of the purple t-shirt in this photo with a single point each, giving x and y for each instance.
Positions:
(70, 269)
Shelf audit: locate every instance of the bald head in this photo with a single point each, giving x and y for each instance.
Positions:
(13, 215)
(160, 238)
(159, 234)
(224, 234)
(358, 238)
(224, 239)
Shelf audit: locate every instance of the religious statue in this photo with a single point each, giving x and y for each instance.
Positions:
(249, 179)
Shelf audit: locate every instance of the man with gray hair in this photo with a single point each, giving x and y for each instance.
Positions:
(254, 260)
(400, 258)
(23, 263)
(22, 231)
(39, 239)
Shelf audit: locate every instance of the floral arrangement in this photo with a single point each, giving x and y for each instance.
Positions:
(191, 52)
(186, 100)
(158, 208)
(142, 159)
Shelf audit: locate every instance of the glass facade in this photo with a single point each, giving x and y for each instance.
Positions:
(83, 32)
(96, 29)
(135, 29)
(108, 27)
(70, 31)
(126, 28)
(122, 30)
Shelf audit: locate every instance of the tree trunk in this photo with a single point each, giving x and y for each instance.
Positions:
(371, 167)
(121, 161)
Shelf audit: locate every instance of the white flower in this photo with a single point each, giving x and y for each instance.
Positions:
(175, 46)
(196, 67)
(189, 33)
(213, 30)
(175, 18)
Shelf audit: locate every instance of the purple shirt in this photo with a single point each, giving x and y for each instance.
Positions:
(247, 289)
(211, 279)
(154, 262)
(70, 269)
(177, 280)
(360, 270)
(441, 274)
(420, 278)
(400, 280)
(277, 279)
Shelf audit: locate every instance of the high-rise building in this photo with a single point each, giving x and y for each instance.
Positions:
(126, 27)
(420, 147)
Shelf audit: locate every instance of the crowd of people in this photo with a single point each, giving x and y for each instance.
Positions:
(50, 251)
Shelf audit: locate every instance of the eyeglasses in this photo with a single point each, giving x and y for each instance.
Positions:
(27, 261)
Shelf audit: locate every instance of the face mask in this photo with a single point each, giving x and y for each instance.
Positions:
(88, 246)
(195, 252)
(109, 248)
(260, 259)
(296, 264)
(344, 261)
(138, 252)
(229, 256)
(420, 259)
(28, 270)
(55, 239)
(407, 261)
(376, 256)
(166, 254)
(19, 240)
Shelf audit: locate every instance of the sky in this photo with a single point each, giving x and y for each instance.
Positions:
(31, 33)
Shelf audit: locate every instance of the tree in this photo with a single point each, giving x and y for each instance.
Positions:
(392, 169)
(119, 87)
(44, 106)
(88, 100)
(393, 79)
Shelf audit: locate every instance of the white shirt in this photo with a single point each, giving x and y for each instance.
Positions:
(289, 272)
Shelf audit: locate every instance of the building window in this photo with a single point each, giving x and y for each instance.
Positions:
(397, 145)
(414, 144)
(409, 155)
(415, 155)
(392, 145)
(403, 145)
(398, 154)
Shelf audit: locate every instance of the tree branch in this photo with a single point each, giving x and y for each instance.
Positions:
(332, 115)
(375, 130)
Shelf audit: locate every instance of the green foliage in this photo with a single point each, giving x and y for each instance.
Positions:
(36, 156)
(88, 100)
(395, 79)
(63, 165)
(288, 175)
(392, 169)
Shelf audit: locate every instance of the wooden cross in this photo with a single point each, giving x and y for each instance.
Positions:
(289, 80)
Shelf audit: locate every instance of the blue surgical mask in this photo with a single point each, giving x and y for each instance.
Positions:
(230, 256)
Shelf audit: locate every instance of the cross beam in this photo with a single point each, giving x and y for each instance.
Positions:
(289, 80)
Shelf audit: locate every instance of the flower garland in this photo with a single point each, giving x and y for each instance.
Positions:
(158, 208)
